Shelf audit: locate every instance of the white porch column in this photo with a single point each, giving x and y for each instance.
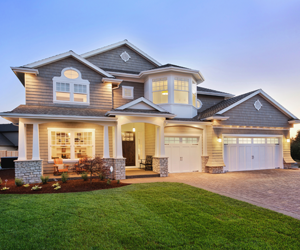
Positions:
(204, 145)
(114, 142)
(22, 142)
(35, 142)
(157, 142)
(162, 141)
(105, 142)
(119, 141)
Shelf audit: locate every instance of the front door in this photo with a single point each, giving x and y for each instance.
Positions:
(128, 144)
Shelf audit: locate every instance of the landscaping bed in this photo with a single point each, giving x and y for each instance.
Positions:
(78, 185)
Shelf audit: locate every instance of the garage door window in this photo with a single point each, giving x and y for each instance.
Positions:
(273, 141)
(172, 140)
(190, 140)
(244, 140)
(230, 141)
(181, 140)
(259, 140)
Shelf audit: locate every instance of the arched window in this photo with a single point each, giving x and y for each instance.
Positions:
(199, 104)
(71, 88)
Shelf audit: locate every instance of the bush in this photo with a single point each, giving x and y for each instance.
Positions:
(108, 182)
(118, 181)
(84, 176)
(19, 182)
(0, 181)
(101, 176)
(44, 179)
(64, 177)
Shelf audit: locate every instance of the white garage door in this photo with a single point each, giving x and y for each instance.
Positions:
(242, 154)
(184, 153)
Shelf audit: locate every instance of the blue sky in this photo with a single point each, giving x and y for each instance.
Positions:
(238, 46)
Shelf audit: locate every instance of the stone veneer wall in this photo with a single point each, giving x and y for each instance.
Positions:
(30, 170)
(287, 165)
(204, 161)
(118, 165)
(160, 165)
(214, 170)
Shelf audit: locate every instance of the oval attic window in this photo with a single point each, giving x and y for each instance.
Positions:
(71, 74)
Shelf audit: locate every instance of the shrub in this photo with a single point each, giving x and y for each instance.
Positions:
(44, 179)
(84, 176)
(19, 182)
(0, 181)
(108, 182)
(64, 177)
(118, 181)
(101, 176)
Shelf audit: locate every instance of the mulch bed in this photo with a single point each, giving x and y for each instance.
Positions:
(78, 185)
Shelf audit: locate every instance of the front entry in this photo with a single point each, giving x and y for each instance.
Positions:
(128, 144)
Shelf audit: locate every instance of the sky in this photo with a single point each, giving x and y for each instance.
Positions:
(238, 46)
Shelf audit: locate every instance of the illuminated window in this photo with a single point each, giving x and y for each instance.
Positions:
(70, 88)
(199, 104)
(71, 144)
(259, 140)
(245, 141)
(127, 92)
(181, 90)
(160, 90)
(272, 141)
(230, 140)
(194, 91)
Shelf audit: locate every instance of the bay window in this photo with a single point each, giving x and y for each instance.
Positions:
(71, 144)
(194, 92)
(160, 90)
(181, 90)
(70, 88)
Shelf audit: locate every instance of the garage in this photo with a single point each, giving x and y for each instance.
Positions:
(252, 153)
(184, 153)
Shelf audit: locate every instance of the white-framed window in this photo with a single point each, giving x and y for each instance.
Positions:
(183, 140)
(194, 92)
(245, 141)
(127, 92)
(228, 140)
(70, 144)
(160, 90)
(181, 90)
(71, 88)
(172, 140)
(273, 141)
(199, 104)
(259, 140)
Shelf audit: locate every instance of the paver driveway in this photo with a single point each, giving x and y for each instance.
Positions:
(278, 189)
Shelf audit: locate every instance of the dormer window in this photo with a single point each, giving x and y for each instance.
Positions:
(160, 90)
(70, 88)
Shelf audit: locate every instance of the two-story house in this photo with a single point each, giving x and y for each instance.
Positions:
(121, 104)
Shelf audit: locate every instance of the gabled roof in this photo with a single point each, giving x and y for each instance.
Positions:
(141, 100)
(64, 55)
(9, 135)
(118, 44)
(224, 106)
(206, 91)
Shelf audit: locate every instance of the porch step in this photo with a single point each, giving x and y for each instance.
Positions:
(142, 176)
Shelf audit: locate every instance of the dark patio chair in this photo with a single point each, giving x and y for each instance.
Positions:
(147, 162)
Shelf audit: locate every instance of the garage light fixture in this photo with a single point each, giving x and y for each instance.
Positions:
(288, 140)
(133, 130)
(219, 140)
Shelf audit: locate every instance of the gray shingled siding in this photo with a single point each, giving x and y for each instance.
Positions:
(39, 89)
(112, 60)
(117, 93)
(245, 114)
(209, 101)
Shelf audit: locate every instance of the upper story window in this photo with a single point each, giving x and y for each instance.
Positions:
(194, 92)
(70, 88)
(160, 90)
(181, 90)
(127, 92)
(198, 104)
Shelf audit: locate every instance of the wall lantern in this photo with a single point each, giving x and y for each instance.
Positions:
(133, 130)
(219, 140)
(288, 140)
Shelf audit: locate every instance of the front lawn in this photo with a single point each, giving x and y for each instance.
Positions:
(142, 216)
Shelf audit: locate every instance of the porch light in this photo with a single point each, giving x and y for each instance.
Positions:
(133, 130)
(288, 140)
(219, 140)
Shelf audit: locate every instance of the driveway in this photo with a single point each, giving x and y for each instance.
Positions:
(278, 190)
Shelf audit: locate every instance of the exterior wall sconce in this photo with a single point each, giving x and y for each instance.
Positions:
(219, 140)
(133, 130)
(288, 140)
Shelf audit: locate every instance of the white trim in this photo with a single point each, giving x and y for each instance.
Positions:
(190, 123)
(64, 55)
(72, 144)
(132, 92)
(141, 99)
(294, 122)
(251, 128)
(118, 44)
(111, 80)
(260, 91)
(251, 135)
(25, 70)
(140, 114)
(214, 94)
(219, 118)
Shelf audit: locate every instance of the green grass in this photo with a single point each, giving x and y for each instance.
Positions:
(142, 216)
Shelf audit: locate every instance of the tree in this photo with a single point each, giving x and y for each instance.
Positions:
(295, 147)
(92, 166)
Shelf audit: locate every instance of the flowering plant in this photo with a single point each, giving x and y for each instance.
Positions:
(5, 188)
(26, 185)
(56, 184)
(36, 187)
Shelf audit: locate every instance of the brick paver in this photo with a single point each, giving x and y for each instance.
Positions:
(278, 190)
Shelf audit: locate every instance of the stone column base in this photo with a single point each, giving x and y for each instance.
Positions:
(214, 170)
(204, 162)
(118, 165)
(287, 165)
(160, 165)
(29, 170)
